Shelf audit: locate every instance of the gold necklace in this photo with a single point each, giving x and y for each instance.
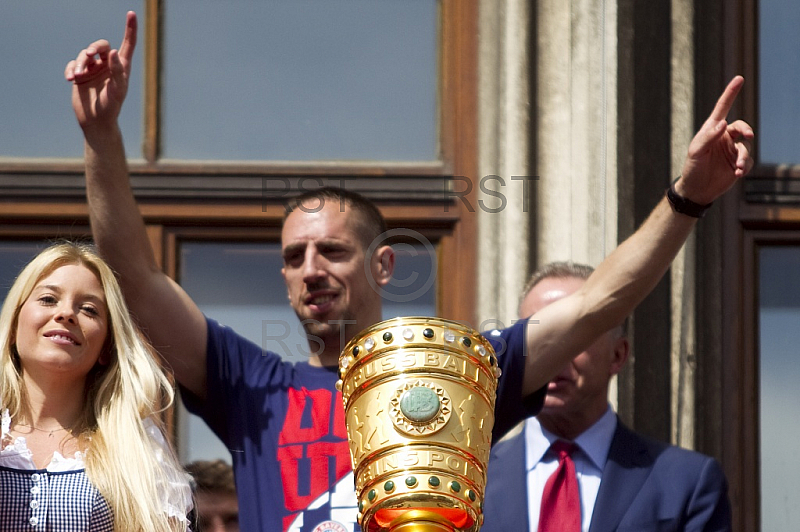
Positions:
(49, 432)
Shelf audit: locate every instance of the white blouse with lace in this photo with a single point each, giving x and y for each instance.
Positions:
(60, 497)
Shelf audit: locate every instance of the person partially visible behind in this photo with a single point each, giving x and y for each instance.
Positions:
(81, 446)
(216, 505)
(624, 480)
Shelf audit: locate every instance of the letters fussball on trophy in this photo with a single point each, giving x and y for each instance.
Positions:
(419, 396)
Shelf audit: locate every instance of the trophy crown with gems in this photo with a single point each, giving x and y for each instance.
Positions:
(419, 396)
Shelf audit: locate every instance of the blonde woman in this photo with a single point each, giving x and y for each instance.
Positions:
(80, 392)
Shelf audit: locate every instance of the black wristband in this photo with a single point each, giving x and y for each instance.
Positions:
(685, 205)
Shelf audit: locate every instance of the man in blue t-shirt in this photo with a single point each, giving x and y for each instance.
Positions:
(282, 422)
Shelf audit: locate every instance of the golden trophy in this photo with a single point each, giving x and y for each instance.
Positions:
(419, 397)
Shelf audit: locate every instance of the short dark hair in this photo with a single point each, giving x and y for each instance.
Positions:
(562, 270)
(370, 224)
(211, 476)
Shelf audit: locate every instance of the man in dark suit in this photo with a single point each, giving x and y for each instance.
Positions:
(627, 482)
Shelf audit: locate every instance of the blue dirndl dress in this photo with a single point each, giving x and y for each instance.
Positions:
(58, 498)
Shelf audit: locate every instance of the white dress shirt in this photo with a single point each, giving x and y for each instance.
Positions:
(590, 460)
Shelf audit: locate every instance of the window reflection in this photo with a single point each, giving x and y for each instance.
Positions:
(14, 255)
(38, 39)
(779, 336)
(301, 80)
(779, 74)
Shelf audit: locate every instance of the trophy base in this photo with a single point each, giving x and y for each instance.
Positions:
(421, 521)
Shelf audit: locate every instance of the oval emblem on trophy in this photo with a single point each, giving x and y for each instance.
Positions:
(419, 404)
(420, 407)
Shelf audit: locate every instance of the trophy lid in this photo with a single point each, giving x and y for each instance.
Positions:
(418, 337)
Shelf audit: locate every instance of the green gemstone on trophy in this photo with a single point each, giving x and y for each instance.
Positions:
(420, 404)
(433, 482)
(371, 495)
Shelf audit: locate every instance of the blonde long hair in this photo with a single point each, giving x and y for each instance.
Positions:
(120, 460)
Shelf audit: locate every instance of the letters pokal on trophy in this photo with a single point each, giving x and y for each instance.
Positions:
(419, 396)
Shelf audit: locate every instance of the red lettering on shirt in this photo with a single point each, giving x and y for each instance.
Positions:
(320, 416)
(297, 442)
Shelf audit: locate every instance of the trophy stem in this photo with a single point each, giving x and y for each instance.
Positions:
(421, 521)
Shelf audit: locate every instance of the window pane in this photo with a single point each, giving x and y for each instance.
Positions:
(779, 76)
(779, 300)
(38, 39)
(301, 79)
(14, 255)
(240, 285)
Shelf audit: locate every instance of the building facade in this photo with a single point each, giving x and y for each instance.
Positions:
(496, 135)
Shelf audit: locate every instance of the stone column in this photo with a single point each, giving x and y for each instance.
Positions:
(504, 98)
(566, 138)
(575, 123)
(547, 109)
(684, 345)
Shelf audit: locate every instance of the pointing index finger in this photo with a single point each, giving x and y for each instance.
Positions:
(725, 101)
(129, 41)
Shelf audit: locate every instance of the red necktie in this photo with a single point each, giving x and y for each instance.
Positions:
(561, 501)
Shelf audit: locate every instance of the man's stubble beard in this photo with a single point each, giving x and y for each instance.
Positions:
(331, 330)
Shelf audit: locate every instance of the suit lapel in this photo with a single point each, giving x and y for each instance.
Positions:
(510, 486)
(627, 468)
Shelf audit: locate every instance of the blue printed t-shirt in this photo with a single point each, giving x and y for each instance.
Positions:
(283, 424)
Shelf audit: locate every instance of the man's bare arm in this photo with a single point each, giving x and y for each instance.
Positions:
(718, 156)
(174, 324)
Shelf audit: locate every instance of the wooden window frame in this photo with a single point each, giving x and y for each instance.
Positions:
(763, 210)
(744, 370)
(45, 199)
(240, 196)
